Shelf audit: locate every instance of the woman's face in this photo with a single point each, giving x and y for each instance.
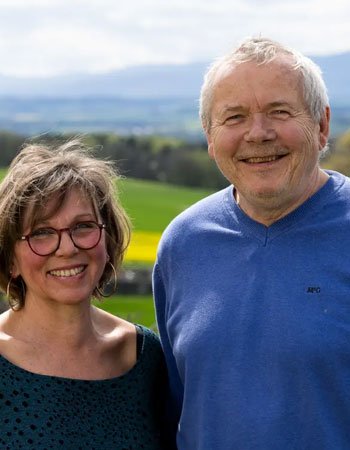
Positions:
(69, 275)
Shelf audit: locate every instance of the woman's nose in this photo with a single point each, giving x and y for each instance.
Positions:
(66, 244)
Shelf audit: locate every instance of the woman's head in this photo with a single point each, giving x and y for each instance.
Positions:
(37, 184)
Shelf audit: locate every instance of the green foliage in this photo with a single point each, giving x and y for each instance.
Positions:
(339, 157)
(145, 157)
(10, 144)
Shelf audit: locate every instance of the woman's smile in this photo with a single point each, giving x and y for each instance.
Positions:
(67, 272)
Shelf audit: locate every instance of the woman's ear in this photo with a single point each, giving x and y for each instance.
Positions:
(14, 269)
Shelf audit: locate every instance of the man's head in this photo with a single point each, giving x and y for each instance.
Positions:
(266, 117)
(264, 51)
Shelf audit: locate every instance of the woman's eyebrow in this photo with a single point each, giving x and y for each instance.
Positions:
(47, 221)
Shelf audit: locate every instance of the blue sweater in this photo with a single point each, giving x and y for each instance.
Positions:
(255, 324)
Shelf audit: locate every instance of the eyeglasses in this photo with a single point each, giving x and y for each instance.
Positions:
(45, 241)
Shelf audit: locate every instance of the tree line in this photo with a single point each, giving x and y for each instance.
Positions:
(168, 160)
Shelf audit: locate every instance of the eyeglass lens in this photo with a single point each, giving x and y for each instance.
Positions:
(85, 235)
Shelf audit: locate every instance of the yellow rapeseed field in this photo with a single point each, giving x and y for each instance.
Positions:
(143, 247)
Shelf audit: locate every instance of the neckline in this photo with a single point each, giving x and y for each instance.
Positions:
(266, 233)
(59, 379)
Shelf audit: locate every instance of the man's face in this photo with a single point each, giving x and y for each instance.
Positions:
(263, 138)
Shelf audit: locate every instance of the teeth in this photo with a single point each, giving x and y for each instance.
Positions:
(259, 159)
(67, 272)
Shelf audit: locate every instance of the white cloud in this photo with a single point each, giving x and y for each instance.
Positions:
(63, 36)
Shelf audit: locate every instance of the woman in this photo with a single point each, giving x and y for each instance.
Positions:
(71, 375)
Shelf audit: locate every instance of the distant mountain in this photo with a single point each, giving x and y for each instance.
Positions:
(138, 100)
(336, 70)
(156, 82)
(151, 82)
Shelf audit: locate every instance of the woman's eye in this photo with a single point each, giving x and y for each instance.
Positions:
(42, 232)
(85, 226)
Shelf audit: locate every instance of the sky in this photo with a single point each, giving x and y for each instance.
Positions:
(55, 37)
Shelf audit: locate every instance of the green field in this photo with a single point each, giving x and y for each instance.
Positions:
(137, 309)
(152, 205)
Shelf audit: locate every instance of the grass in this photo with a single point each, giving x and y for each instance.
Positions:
(137, 309)
(152, 205)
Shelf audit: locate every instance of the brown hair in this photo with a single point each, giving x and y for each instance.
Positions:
(38, 173)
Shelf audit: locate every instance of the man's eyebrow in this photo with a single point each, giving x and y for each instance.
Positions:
(278, 103)
(231, 108)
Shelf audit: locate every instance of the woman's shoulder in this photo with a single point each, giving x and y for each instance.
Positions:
(111, 326)
(149, 335)
(114, 327)
(4, 336)
(10, 347)
(149, 346)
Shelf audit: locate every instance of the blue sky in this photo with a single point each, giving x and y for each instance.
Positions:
(50, 37)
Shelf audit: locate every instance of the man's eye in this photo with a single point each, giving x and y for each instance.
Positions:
(280, 113)
(234, 118)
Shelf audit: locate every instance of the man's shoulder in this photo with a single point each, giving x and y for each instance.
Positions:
(339, 187)
(200, 211)
(199, 216)
(339, 179)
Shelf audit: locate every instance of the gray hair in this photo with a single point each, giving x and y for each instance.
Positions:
(263, 51)
(37, 174)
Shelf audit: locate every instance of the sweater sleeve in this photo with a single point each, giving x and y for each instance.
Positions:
(176, 387)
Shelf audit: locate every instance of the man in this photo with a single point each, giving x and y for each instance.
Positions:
(252, 284)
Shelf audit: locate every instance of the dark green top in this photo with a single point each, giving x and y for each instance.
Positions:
(45, 412)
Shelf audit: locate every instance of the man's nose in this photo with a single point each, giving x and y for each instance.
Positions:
(260, 129)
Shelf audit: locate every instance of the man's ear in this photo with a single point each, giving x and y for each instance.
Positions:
(210, 144)
(324, 127)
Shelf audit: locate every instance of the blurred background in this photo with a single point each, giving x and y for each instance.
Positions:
(126, 76)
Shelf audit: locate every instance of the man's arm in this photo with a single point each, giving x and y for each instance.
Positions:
(174, 403)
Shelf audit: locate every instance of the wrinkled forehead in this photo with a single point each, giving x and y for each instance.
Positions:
(40, 208)
(251, 81)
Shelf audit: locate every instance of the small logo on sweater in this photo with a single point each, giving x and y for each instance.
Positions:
(313, 290)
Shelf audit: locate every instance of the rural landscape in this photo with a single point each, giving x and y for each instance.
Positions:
(146, 120)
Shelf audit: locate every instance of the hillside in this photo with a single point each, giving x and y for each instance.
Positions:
(157, 82)
(143, 100)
